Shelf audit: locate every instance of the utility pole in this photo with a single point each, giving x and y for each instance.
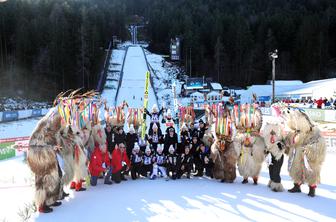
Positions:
(273, 56)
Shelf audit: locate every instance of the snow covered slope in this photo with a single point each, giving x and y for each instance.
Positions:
(133, 81)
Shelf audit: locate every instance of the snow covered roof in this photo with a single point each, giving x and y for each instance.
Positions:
(286, 82)
(216, 86)
(196, 94)
(318, 88)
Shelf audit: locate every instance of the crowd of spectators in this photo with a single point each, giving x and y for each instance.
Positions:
(14, 104)
(321, 103)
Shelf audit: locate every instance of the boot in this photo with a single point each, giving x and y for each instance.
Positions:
(295, 189)
(123, 177)
(45, 209)
(108, 182)
(65, 194)
(79, 187)
(311, 191)
(255, 180)
(73, 185)
(188, 175)
(199, 173)
(56, 204)
(245, 181)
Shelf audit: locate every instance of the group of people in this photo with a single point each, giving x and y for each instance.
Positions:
(174, 151)
(158, 154)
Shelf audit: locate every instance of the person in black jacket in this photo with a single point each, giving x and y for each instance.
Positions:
(154, 137)
(154, 116)
(172, 163)
(136, 162)
(109, 136)
(185, 163)
(206, 161)
(148, 160)
(131, 138)
(201, 130)
(194, 151)
(159, 166)
(185, 135)
(170, 139)
(120, 136)
(193, 130)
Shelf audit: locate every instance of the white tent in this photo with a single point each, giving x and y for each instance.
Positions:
(314, 89)
(263, 91)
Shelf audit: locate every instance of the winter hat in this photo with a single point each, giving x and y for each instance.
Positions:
(169, 113)
(154, 126)
(200, 121)
(136, 146)
(171, 149)
(159, 149)
(155, 109)
(131, 129)
(184, 126)
(147, 149)
(171, 129)
(195, 135)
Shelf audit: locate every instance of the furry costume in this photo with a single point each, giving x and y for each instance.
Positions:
(75, 159)
(273, 135)
(306, 149)
(42, 160)
(225, 158)
(223, 154)
(247, 142)
(115, 116)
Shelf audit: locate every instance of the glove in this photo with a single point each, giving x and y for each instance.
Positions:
(104, 165)
(123, 163)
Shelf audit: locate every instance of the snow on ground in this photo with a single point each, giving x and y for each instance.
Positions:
(18, 128)
(197, 199)
(163, 78)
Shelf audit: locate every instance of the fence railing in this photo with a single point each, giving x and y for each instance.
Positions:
(8, 116)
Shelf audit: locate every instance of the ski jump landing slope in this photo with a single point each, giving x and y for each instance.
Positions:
(133, 80)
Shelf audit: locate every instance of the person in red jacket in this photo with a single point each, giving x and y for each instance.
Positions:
(120, 163)
(100, 162)
(319, 103)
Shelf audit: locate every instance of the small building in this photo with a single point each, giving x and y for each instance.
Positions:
(213, 97)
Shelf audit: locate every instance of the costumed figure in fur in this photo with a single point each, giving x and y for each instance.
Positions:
(248, 143)
(78, 112)
(186, 115)
(43, 162)
(135, 118)
(75, 159)
(115, 115)
(275, 148)
(223, 153)
(306, 149)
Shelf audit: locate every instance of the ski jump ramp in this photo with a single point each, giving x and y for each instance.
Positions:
(133, 80)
